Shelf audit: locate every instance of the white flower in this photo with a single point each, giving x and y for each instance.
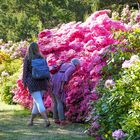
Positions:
(109, 83)
(1, 40)
(126, 64)
(4, 74)
(10, 42)
(134, 58)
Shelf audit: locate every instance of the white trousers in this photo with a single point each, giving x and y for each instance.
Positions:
(38, 105)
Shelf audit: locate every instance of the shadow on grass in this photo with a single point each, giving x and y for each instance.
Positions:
(13, 126)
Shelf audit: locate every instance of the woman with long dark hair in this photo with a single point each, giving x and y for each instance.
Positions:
(36, 87)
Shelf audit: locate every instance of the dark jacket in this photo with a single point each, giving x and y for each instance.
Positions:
(32, 84)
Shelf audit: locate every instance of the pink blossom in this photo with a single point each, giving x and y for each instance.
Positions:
(96, 14)
(44, 33)
(94, 96)
(88, 41)
(137, 18)
(95, 125)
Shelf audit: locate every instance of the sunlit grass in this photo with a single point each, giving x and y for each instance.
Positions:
(5, 107)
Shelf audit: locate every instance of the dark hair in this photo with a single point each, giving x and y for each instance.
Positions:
(33, 49)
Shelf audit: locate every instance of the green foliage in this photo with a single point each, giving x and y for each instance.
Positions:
(5, 92)
(115, 5)
(11, 55)
(10, 66)
(7, 82)
(114, 62)
(3, 57)
(22, 19)
(119, 107)
(129, 44)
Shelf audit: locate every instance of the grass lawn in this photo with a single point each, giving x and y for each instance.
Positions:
(13, 126)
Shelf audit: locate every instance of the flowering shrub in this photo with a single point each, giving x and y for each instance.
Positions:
(89, 41)
(3, 56)
(118, 58)
(22, 96)
(8, 75)
(119, 106)
(129, 16)
(129, 44)
(15, 50)
(10, 65)
(118, 134)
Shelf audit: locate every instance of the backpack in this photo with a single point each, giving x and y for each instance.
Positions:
(40, 69)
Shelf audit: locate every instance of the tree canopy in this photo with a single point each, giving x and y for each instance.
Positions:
(23, 19)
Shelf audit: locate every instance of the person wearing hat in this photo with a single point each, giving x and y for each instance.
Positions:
(59, 79)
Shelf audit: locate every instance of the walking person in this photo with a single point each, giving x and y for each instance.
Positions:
(59, 80)
(36, 87)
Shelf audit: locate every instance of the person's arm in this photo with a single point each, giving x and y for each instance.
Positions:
(24, 76)
(69, 72)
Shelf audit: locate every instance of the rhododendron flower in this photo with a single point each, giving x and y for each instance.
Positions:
(96, 69)
(95, 125)
(118, 134)
(1, 41)
(44, 33)
(128, 63)
(109, 83)
(96, 14)
(88, 41)
(94, 96)
(137, 18)
(95, 118)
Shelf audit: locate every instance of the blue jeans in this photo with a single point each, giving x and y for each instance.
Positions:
(58, 108)
(38, 105)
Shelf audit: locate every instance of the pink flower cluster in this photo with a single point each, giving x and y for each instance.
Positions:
(137, 18)
(88, 41)
(22, 95)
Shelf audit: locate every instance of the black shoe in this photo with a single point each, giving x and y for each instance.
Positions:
(48, 124)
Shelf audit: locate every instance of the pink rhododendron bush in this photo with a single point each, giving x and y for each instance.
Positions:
(89, 41)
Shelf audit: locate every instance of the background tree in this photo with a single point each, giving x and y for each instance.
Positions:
(23, 19)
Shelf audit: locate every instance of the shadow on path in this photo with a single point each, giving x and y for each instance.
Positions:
(13, 126)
